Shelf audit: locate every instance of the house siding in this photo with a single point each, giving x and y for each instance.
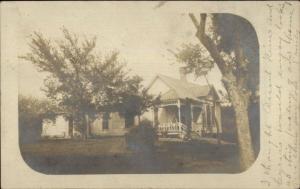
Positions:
(57, 128)
(115, 123)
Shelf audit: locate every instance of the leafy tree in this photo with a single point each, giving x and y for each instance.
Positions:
(32, 111)
(81, 81)
(195, 58)
(231, 43)
(136, 100)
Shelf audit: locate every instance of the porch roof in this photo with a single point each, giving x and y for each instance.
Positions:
(182, 89)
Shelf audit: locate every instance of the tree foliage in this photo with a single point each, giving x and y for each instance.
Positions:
(195, 58)
(232, 44)
(229, 34)
(137, 100)
(80, 80)
(32, 111)
(31, 108)
(236, 37)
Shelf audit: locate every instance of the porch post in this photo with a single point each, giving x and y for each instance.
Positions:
(179, 114)
(215, 121)
(155, 116)
(205, 117)
(153, 124)
(211, 116)
(188, 120)
(192, 115)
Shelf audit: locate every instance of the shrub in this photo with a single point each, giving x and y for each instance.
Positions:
(141, 138)
(32, 111)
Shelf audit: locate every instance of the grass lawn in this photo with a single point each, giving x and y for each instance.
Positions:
(112, 155)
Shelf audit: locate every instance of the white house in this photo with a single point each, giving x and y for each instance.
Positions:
(183, 105)
(58, 128)
(181, 108)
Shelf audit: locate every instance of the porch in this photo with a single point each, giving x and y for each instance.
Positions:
(181, 117)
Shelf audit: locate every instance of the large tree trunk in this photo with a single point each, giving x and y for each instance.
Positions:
(217, 124)
(238, 98)
(139, 120)
(240, 106)
(71, 126)
(85, 126)
(244, 137)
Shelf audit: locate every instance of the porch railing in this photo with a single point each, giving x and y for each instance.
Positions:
(176, 129)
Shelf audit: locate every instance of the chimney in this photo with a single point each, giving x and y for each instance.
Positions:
(182, 73)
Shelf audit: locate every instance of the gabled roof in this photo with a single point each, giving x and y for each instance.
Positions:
(181, 89)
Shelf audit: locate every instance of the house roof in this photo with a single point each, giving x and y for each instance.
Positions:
(182, 89)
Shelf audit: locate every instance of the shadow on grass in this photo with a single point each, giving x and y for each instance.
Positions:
(112, 156)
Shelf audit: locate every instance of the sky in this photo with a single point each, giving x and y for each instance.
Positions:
(140, 31)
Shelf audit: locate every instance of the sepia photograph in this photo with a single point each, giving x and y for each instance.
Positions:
(142, 92)
(150, 94)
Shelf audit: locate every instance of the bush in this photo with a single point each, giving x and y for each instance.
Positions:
(141, 138)
(32, 111)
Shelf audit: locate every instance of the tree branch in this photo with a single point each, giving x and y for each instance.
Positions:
(194, 20)
(242, 64)
(208, 42)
